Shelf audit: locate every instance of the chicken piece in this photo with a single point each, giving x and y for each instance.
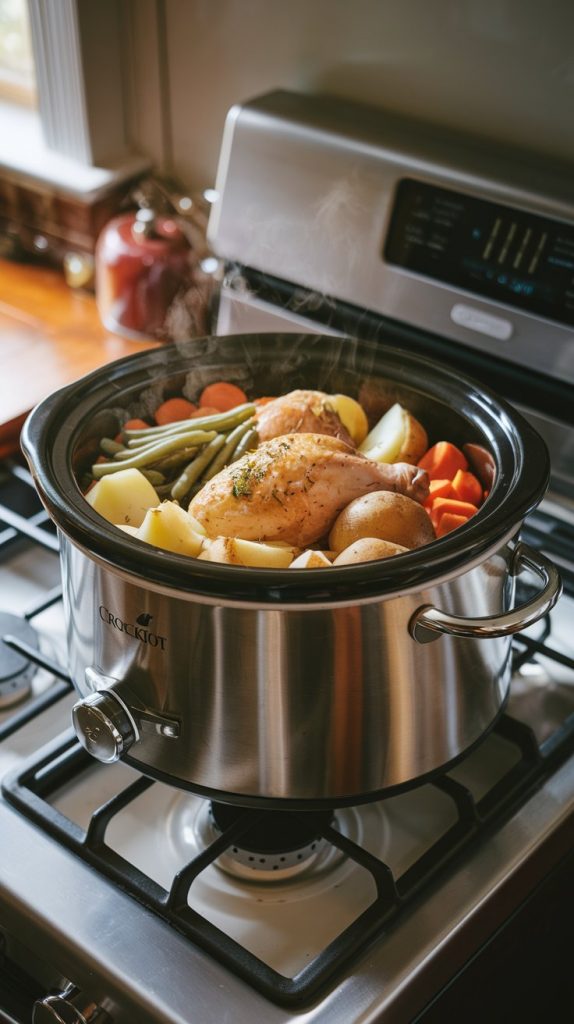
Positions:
(293, 487)
(300, 412)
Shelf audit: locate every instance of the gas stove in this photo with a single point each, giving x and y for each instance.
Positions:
(124, 899)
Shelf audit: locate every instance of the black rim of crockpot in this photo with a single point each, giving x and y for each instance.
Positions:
(52, 430)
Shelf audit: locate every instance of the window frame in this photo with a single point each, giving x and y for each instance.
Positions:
(67, 39)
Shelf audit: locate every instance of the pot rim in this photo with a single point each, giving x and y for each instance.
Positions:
(309, 604)
(52, 429)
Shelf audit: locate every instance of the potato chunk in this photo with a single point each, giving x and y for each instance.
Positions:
(123, 498)
(234, 551)
(169, 526)
(310, 559)
(352, 416)
(397, 437)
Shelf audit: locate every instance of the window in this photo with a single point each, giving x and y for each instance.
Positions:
(17, 76)
(68, 55)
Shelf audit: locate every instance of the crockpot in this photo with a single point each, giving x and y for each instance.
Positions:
(299, 688)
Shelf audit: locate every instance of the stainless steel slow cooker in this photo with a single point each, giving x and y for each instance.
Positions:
(301, 688)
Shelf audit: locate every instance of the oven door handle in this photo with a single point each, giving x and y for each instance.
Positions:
(428, 623)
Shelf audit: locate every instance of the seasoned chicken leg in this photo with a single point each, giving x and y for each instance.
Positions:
(292, 488)
(300, 412)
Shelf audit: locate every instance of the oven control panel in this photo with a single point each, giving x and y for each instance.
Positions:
(495, 251)
(367, 213)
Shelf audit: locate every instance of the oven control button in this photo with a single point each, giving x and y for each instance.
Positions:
(104, 726)
(68, 1008)
(484, 323)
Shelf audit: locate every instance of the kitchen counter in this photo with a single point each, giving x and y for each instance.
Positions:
(50, 335)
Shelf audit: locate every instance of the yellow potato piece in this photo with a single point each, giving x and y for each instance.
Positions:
(126, 528)
(123, 498)
(168, 526)
(310, 560)
(234, 551)
(383, 442)
(397, 437)
(352, 416)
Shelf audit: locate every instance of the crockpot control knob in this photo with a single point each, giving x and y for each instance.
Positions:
(104, 726)
(68, 1008)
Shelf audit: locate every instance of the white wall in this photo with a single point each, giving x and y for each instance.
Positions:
(500, 69)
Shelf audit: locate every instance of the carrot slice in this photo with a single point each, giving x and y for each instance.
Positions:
(450, 522)
(452, 505)
(135, 424)
(467, 487)
(439, 489)
(222, 395)
(205, 410)
(173, 410)
(443, 460)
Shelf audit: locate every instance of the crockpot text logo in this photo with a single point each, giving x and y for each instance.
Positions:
(138, 632)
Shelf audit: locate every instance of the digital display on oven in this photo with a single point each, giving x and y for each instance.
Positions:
(492, 250)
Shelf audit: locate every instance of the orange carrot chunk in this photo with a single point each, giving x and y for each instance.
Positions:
(135, 424)
(222, 395)
(443, 460)
(439, 489)
(205, 410)
(173, 410)
(452, 505)
(450, 522)
(467, 487)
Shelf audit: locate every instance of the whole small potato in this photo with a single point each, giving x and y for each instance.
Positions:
(384, 515)
(367, 549)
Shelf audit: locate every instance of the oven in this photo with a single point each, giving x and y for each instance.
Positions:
(124, 899)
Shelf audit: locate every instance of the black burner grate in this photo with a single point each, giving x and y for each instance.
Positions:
(31, 786)
(23, 520)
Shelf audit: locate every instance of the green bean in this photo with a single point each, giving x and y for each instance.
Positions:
(177, 455)
(224, 455)
(177, 444)
(153, 453)
(216, 421)
(175, 461)
(154, 477)
(126, 454)
(164, 490)
(192, 472)
(111, 447)
(248, 442)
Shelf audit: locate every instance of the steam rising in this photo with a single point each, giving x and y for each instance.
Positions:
(259, 363)
(320, 244)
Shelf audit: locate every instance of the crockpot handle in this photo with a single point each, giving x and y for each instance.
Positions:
(428, 623)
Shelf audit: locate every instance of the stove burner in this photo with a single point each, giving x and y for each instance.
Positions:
(16, 671)
(277, 840)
